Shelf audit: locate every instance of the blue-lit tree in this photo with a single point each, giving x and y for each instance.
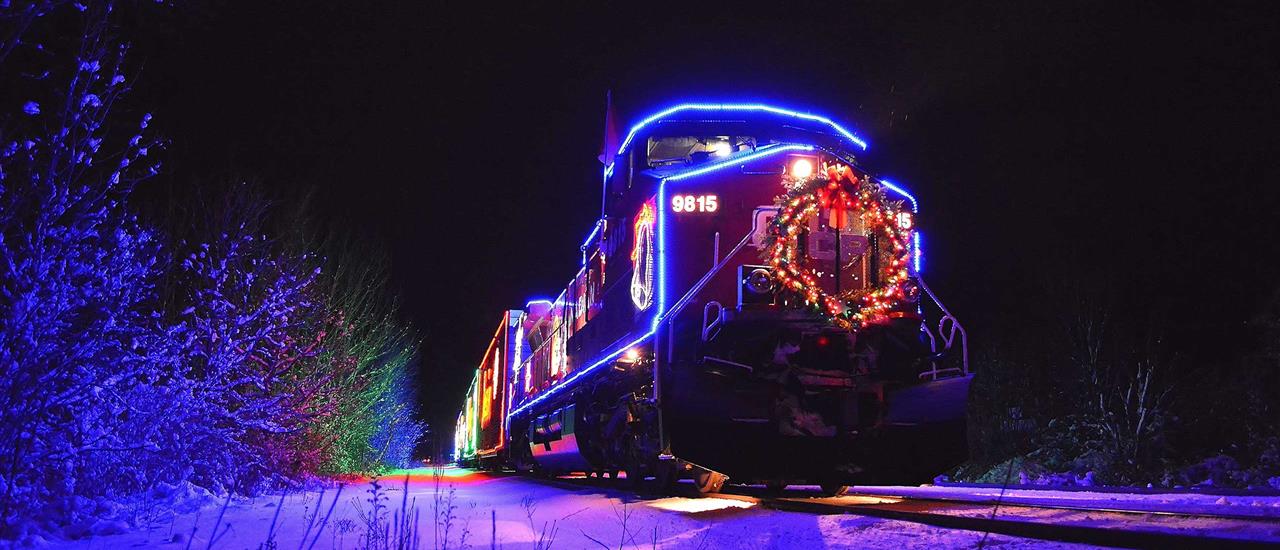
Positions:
(220, 354)
(77, 341)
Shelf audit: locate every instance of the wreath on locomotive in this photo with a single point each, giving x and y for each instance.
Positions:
(843, 196)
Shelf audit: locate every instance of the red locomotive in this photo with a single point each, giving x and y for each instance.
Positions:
(750, 306)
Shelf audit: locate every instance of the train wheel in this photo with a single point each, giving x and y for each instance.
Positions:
(635, 475)
(775, 487)
(709, 482)
(665, 476)
(833, 490)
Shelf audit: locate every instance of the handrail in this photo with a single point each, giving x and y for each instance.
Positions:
(948, 336)
(697, 287)
(710, 325)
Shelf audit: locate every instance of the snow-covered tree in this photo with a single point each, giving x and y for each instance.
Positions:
(221, 354)
(77, 343)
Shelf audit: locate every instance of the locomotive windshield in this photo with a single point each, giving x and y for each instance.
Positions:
(666, 151)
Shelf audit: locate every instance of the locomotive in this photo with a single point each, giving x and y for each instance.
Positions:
(750, 306)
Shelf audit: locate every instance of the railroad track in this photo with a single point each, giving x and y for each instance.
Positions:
(1118, 508)
(1101, 526)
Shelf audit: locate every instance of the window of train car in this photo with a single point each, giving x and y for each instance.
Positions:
(675, 150)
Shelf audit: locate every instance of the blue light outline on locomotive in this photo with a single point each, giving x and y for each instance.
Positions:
(662, 265)
(918, 260)
(608, 170)
(590, 237)
(915, 206)
(737, 107)
(915, 235)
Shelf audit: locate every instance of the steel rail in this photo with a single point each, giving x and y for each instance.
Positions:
(929, 512)
(1099, 535)
(1114, 509)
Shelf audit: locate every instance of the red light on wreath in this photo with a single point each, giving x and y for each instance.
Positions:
(839, 195)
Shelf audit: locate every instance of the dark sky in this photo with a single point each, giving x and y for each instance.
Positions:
(1136, 142)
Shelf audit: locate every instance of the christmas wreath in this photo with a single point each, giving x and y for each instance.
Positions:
(842, 194)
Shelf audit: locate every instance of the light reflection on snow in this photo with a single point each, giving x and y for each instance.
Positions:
(698, 505)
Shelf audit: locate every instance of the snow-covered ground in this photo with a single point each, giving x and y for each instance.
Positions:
(1184, 503)
(514, 512)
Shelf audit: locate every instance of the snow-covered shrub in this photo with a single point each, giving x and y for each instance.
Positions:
(397, 433)
(221, 358)
(80, 354)
(372, 426)
(254, 329)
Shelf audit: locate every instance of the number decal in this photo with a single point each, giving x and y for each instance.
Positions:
(690, 204)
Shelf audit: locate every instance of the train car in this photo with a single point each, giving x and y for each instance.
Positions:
(480, 436)
(750, 306)
(464, 433)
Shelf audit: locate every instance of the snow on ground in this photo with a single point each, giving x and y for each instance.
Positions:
(1186, 503)
(515, 512)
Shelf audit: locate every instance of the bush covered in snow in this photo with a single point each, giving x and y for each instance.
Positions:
(224, 357)
(1101, 399)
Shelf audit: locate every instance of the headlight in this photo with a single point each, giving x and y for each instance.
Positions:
(801, 168)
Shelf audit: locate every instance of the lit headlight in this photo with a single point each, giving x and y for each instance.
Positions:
(801, 168)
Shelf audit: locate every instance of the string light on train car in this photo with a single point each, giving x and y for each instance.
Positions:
(842, 194)
(630, 356)
(642, 258)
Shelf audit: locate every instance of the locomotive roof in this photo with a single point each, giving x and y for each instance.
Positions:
(752, 119)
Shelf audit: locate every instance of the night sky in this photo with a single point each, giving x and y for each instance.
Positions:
(1134, 144)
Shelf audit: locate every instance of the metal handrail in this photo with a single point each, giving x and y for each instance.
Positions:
(697, 287)
(948, 336)
(708, 325)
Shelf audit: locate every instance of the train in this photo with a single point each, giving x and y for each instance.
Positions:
(750, 308)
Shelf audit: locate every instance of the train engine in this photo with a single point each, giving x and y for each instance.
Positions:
(750, 306)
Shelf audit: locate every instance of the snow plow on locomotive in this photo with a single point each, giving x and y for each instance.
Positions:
(750, 306)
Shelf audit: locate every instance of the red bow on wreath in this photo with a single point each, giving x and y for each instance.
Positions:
(837, 195)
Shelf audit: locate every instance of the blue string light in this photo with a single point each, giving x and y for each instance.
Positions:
(918, 259)
(915, 206)
(738, 107)
(608, 170)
